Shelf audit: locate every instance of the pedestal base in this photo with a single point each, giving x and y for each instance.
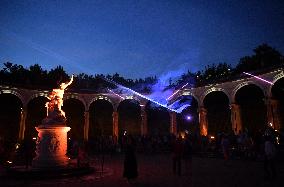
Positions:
(51, 147)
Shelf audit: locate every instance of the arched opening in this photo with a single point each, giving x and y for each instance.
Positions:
(100, 119)
(35, 114)
(277, 91)
(158, 120)
(218, 112)
(74, 112)
(10, 112)
(253, 109)
(187, 120)
(129, 117)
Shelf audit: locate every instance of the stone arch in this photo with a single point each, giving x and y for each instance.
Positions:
(74, 110)
(241, 85)
(13, 92)
(158, 119)
(36, 112)
(184, 93)
(275, 104)
(129, 111)
(129, 98)
(10, 118)
(188, 119)
(100, 118)
(213, 89)
(217, 105)
(275, 79)
(253, 110)
(103, 98)
(39, 94)
(75, 96)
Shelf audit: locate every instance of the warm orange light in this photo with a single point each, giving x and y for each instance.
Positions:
(56, 98)
(203, 131)
(182, 134)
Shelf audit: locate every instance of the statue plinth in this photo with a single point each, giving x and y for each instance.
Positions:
(51, 147)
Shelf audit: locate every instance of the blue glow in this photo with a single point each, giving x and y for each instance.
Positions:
(143, 96)
(188, 117)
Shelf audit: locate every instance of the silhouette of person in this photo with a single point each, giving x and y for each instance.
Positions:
(270, 153)
(130, 163)
(177, 155)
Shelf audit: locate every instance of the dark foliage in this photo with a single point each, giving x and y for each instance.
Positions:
(34, 77)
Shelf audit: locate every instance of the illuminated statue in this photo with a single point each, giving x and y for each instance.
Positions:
(54, 112)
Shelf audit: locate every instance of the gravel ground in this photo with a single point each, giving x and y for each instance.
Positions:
(156, 170)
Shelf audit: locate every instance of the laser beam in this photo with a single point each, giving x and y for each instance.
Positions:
(177, 91)
(136, 93)
(116, 94)
(259, 78)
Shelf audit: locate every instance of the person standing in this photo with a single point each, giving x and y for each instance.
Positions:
(177, 155)
(187, 155)
(225, 146)
(269, 161)
(130, 163)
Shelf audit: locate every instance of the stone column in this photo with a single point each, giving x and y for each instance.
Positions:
(273, 113)
(173, 128)
(236, 119)
(86, 125)
(144, 125)
(23, 123)
(115, 123)
(203, 122)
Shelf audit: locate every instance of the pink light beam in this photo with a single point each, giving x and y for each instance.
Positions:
(116, 94)
(177, 91)
(271, 83)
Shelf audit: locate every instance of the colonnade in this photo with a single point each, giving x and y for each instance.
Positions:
(236, 119)
(273, 116)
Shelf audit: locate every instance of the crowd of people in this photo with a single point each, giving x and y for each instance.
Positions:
(262, 146)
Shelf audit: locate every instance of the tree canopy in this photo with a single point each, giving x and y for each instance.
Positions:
(263, 58)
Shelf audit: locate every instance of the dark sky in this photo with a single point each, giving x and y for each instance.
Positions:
(136, 38)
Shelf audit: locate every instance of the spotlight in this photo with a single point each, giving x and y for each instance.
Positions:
(188, 117)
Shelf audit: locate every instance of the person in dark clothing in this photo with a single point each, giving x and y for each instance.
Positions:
(187, 156)
(29, 152)
(130, 163)
(269, 161)
(177, 155)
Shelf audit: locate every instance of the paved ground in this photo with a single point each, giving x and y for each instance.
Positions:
(156, 170)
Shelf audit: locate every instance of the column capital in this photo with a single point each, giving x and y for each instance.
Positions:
(234, 106)
(115, 107)
(202, 109)
(114, 113)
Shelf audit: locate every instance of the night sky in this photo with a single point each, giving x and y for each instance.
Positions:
(136, 38)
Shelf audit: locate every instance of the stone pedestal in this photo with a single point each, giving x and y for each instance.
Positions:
(51, 147)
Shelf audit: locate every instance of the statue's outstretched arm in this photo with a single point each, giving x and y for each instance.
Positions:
(63, 85)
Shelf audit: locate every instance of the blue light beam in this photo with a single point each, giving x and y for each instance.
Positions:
(143, 96)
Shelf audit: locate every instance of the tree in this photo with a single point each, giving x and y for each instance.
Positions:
(56, 76)
(264, 57)
(37, 76)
